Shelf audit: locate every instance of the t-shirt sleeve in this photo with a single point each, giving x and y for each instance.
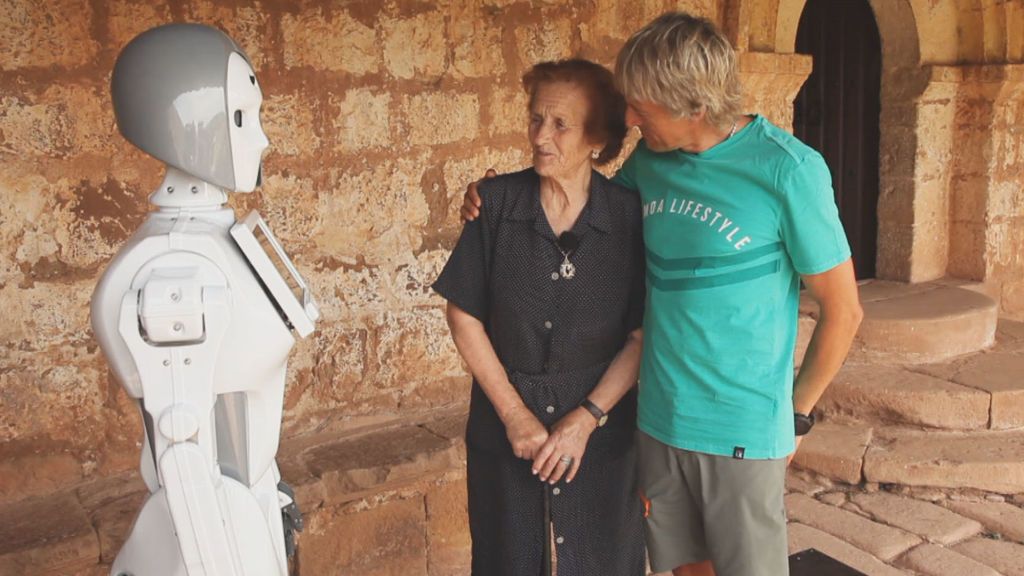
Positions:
(809, 221)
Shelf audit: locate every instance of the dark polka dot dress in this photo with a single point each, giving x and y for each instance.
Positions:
(555, 336)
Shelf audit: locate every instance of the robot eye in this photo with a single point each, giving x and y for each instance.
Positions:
(238, 118)
(252, 79)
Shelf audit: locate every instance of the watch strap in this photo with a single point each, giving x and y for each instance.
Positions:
(802, 423)
(595, 411)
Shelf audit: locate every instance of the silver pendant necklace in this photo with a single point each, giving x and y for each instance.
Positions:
(567, 269)
(566, 243)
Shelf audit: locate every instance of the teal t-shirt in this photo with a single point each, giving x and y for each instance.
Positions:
(728, 232)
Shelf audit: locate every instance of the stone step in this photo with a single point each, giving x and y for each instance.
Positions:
(916, 323)
(853, 452)
(47, 536)
(977, 391)
(888, 394)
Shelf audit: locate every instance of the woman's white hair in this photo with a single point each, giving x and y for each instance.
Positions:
(684, 64)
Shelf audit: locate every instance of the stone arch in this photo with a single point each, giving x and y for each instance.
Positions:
(900, 43)
(903, 81)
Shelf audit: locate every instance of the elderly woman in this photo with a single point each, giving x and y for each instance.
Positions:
(545, 301)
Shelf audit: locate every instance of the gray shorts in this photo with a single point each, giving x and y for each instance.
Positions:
(704, 507)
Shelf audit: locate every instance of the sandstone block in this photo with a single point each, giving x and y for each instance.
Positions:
(441, 118)
(802, 537)
(805, 483)
(377, 226)
(337, 42)
(508, 112)
(30, 475)
(105, 491)
(127, 19)
(986, 460)
(883, 393)
(1001, 375)
(931, 522)
(113, 521)
(49, 535)
(449, 545)
(459, 172)
(425, 367)
(932, 560)
(927, 326)
(289, 121)
(551, 39)
(835, 451)
(54, 34)
(1005, 557)
(805, 329)
(363, 120)
(476, 39)
(415, 47)
(880, 540)
(355, 468)
(451, 427)
(1009, 336)
(248, 25)
(382, 540)
(1001, 517)
(832, 498)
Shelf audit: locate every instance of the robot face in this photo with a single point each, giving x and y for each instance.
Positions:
(247, 138)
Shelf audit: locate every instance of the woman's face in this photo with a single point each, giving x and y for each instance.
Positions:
(557, 116)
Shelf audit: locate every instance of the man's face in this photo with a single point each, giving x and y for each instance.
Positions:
(662, 130)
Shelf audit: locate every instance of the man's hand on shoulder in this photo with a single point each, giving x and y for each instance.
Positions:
(471, 200)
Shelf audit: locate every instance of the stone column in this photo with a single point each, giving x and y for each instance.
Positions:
(771, 83)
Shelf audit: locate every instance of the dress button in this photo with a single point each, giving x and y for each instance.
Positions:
(559, 540)
(548, 324)
(556, 491)
(554, 275)
(550, 409)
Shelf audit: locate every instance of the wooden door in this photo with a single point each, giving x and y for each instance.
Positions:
(837, 113)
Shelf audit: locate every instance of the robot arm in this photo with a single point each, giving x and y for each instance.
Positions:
(173, 324)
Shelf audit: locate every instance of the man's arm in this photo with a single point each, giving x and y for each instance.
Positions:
(836, 293)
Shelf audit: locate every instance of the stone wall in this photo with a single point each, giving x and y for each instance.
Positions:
(378, 115)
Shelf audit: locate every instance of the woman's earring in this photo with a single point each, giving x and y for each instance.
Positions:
(594, 154)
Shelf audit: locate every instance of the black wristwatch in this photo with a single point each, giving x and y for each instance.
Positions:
(802, 423)
(596, 412)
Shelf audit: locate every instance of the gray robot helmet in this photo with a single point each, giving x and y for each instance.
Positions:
(178, 93)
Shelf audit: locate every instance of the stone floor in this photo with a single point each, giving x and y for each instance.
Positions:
(916, 469)
(885, 530)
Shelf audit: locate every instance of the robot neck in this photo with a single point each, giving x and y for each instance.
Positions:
(182, 190)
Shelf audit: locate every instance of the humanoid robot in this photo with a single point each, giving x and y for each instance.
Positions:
(197, 313)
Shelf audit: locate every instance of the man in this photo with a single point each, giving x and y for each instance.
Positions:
(737, 213)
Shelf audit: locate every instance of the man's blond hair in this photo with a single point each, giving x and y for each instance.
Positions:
(684, 64)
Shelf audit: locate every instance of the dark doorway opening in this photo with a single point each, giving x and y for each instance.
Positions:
(837, 113)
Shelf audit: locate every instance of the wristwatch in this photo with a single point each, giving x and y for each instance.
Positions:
(596, 412)
(802, 423)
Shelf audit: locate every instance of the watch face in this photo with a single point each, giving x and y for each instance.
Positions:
(602, 420)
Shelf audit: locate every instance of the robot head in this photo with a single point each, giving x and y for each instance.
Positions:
(187, 95)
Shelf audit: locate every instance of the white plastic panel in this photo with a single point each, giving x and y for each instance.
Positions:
(275, 269)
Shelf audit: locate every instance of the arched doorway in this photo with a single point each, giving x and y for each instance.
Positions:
(837, 113)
